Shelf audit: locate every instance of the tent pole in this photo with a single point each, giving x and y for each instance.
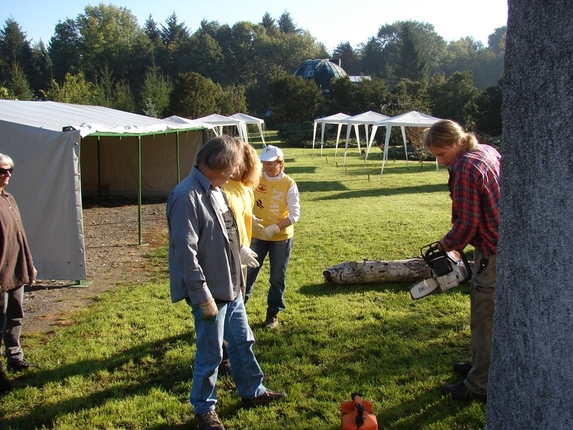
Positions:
(139, 188)
(177, 156)
(98, 162)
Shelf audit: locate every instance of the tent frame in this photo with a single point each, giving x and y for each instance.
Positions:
(139, 136)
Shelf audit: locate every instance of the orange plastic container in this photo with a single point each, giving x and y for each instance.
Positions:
(357, 414)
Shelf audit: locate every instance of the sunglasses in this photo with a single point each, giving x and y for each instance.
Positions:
(4, 171)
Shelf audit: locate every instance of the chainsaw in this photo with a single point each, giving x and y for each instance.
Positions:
(448, 269)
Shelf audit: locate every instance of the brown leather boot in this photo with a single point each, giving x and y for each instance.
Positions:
(272, 320)
(5, 384)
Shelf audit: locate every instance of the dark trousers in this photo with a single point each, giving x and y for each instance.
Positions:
(12, 316)
(482, 306)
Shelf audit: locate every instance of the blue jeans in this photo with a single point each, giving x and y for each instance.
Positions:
(232, 325)
(279, 255)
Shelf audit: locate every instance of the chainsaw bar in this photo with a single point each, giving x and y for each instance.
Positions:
(423, 288)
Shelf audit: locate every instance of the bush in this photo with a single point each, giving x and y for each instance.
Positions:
(296, 135)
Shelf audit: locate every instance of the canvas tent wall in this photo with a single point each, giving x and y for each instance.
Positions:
(409, 119)
(49, 164)
(337, 119)
(260, 123)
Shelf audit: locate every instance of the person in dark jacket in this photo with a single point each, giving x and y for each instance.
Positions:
(16, 270)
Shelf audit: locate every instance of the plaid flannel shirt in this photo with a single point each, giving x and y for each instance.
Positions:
(474, 190)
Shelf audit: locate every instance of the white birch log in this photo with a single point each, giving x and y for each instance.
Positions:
(374, 271)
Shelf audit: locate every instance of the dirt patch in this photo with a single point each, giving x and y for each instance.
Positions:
(113, 255)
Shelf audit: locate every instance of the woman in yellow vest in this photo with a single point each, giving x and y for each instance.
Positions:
(241, 198)
(277, 205)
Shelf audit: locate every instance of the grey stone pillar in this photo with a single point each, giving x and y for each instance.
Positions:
(531, 375)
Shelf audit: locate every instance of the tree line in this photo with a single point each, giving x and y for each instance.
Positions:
(104, 57)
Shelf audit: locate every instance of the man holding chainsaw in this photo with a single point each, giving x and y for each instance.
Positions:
(474, 190)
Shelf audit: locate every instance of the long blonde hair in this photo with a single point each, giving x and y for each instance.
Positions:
(252, 166)
(446, 133)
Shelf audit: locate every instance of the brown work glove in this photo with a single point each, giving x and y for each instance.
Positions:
(209, 310)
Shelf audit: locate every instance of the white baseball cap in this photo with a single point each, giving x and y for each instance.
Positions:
(271, 153)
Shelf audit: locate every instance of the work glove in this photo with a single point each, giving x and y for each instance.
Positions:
(270, 231)
(257, 226)
(209, 310)
(248, 257)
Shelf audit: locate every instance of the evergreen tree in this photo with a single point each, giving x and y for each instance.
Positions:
(18, 85)
(286, 24)
(14, 49)
(268, 22)
(174, 32)
(64, 50)
(348, 58)
(155, 92)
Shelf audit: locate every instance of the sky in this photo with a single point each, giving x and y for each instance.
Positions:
(332, 22)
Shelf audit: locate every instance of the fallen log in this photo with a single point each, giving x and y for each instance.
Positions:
(368, 271)
(375, 271)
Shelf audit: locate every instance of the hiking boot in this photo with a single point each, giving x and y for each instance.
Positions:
(5, 384)
(209, 421)
(463, 368)
(224, 368)
(264, 399)
(272, 320)
(17, 366)
(461, 392)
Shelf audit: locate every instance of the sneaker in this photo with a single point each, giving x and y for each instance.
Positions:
(17, 366)
(461, 392)
(463, 368)
(5, 384)
(264, 399)
(272, 320)
(209, 421)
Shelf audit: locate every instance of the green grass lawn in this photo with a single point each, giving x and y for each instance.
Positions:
(125, 363)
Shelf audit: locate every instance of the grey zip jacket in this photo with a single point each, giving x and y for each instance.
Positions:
(199, 248)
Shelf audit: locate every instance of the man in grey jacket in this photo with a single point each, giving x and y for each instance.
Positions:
(205, 270)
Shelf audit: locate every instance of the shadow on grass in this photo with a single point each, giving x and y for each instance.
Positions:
(320, 186)
(299, 169)
(154, 375)
(328, 289)
(378, 192)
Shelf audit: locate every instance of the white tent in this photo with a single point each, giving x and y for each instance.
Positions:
(409, 119)
(336, 119)
(63, 151)
(260, 123)
(366, 119)
(217, 122)
(180, 122)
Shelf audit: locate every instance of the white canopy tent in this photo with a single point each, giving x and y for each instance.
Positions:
(260, 123)
(180, 122)
(366, 119)
(409, 119)
(216, 122)
(63, 151)
(336, 119)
